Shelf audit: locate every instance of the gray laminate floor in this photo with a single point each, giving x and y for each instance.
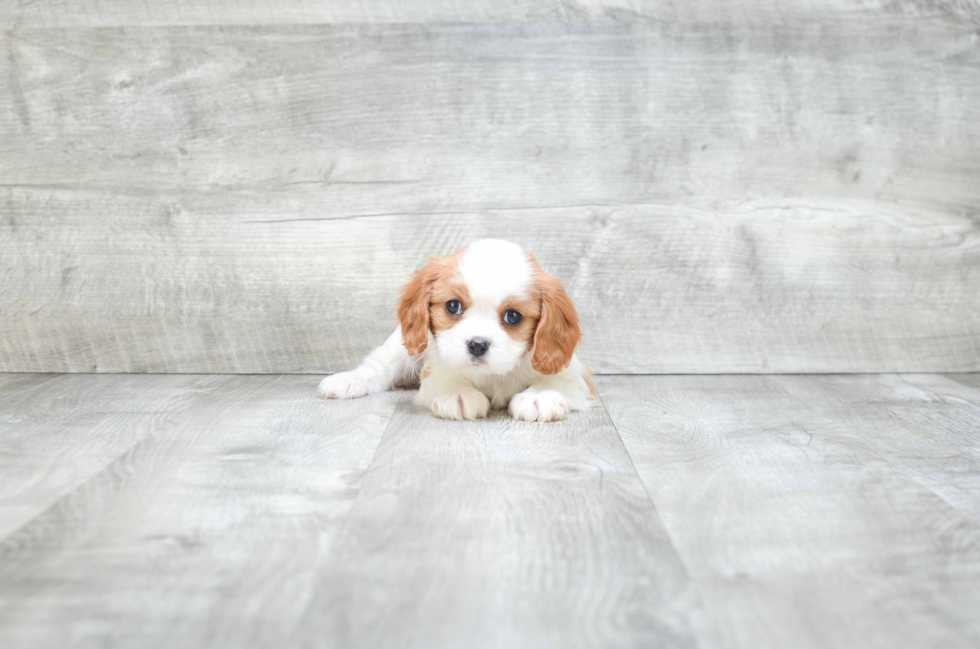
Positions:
(716, 511)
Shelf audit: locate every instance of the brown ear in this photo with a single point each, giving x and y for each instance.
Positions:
(413, 307)
(558, 332)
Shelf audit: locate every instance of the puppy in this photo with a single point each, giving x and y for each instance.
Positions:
(484, 327)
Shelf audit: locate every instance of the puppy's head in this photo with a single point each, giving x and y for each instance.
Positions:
(486, 307)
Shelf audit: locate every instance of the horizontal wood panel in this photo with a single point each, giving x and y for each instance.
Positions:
(718, 198)
(49, 13)
(426, 118)
(816, 512)
(250, 282)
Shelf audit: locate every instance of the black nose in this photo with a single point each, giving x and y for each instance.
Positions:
(478, 346)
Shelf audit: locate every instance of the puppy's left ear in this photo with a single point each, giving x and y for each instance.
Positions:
(558, 332)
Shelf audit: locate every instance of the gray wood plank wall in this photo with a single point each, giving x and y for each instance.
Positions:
(771, 187)
(102, 13)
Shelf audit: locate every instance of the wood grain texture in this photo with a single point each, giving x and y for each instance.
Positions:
(56, 433)
(770, 287)
(502, 534)
(816, 511)
(204, 534)
(105, 13)
(744, 198)
(415, 118)
(743, 511)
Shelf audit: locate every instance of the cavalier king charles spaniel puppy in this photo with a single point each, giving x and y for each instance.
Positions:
(484, 327)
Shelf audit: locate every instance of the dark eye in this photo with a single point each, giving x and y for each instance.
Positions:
(453, 307)
(512, 317)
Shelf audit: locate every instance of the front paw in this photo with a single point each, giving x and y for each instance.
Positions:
(468, 403)
(345, 385)
(538, 405)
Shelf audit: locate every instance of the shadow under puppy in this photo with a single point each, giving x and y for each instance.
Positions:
(484, 327)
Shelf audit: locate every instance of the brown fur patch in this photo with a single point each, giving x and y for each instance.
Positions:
(558, 332)
(417, 295)
(444, 290)
(527, 306)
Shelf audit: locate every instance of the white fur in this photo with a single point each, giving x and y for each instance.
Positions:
(493, 270)
(385, 367)
(456, 385)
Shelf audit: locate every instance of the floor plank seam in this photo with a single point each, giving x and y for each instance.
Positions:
(99, 472)
(343, 526)
(713, 630)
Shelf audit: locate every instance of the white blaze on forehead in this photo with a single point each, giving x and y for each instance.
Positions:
(494, 269)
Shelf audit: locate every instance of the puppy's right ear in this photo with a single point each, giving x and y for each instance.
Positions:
(413, 307)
